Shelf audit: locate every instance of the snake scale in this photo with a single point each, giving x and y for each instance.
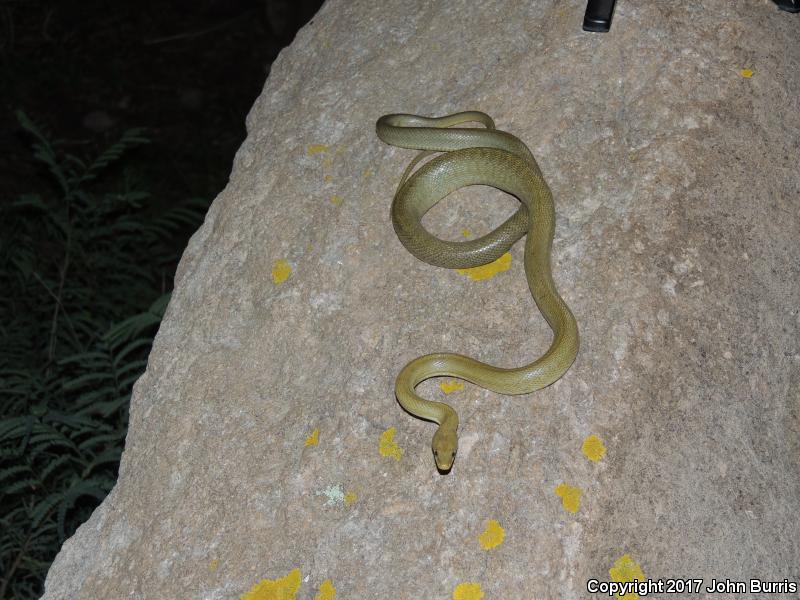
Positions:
(473, 156)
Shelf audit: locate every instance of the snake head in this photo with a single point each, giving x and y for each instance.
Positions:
(445, 445)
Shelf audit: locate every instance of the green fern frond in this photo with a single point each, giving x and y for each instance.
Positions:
(13, 428)
(122, 354)
(98, 440)
(92, 487)
(106, 409)
(135, 365)
(94, 397)
(92, 359)
(42, 443)
(53, 465)
(112, 455)
(89, 378)
(43, 151)
(25, 485)
(43, 508)
(130, 139)
(130, 327)
(29, 201)
(11, 471)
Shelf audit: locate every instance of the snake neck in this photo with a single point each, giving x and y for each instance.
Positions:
(449, 420)
(438, 412)
(414, 373)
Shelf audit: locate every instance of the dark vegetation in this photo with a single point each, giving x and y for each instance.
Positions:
(118, 125)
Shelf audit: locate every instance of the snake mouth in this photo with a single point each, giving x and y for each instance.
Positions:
(444, 463)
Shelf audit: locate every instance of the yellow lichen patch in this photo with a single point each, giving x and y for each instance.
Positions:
(626, 569)
(388, 447)
(593, 448)
(468, 591)
(350, 498)
(326, 591)
(213, 566)
(466, 232)
(317, 149)
(281, 270)
(492, 536)
(487, 271)
(570, 497)
(313, 438)
(337, 200)
(285, 588)
(451, 385)
(747, 73)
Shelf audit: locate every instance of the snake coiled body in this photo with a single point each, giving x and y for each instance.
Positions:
(471, 157)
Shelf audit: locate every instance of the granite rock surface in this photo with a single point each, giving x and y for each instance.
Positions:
(266, 451)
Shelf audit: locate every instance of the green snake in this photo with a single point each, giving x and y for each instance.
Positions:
(473, 156)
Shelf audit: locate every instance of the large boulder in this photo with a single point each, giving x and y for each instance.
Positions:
(267, 453)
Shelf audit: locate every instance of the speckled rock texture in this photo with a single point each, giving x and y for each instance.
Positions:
(266, 450)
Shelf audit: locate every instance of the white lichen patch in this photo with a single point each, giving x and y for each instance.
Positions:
(335, 495)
